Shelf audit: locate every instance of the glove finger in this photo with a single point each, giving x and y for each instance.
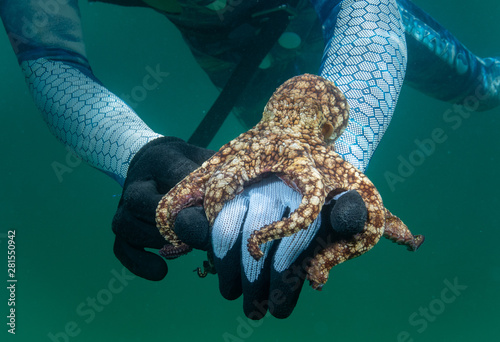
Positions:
(140, 262)
(191, 226)
(349, 214)
(141, 199)
(226, 244)
(265, 206)
(290, 247)
(288, 270)
(137, 232)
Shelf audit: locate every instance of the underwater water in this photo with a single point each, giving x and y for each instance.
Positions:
(70, 286)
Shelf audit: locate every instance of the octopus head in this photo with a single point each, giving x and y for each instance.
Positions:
(309, 103)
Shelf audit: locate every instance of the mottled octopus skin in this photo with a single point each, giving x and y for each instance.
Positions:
(294, 140)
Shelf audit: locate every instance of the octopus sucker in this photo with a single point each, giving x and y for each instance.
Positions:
(293, 140)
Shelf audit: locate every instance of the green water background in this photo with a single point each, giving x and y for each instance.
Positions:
(64, 241)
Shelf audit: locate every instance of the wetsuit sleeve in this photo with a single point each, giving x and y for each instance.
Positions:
(365, 56)
(98, 126)
(442, 67)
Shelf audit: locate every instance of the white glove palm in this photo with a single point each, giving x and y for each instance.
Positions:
(258, 205)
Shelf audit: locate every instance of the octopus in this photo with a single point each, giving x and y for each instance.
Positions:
(295, 141)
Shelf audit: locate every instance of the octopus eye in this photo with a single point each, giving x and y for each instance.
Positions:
(327, 130)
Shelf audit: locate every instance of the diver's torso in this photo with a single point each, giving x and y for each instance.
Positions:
(198, 14)
(220, 32)
(209, 14)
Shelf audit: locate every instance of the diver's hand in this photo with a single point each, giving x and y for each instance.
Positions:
(153, 171)
(274, 282)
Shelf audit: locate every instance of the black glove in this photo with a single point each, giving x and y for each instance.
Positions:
(154, 170)
(275, 281)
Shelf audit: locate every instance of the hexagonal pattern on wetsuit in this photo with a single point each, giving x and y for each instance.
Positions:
(366, 59)
(96, 124)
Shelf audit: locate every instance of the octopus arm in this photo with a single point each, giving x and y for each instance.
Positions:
(308, 181)
(398, 232)
(348, 177)
(187, 193)
(343, 250)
